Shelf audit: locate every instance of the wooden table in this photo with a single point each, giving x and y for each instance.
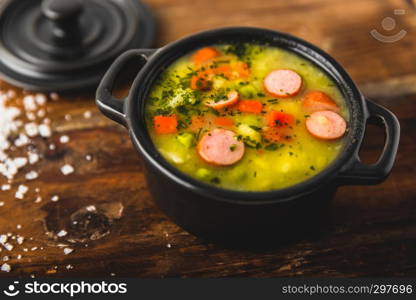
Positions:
(375, 227)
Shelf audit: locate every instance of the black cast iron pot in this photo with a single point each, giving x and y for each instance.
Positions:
(235, 216)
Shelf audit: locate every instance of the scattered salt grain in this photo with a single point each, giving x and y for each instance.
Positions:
(6, 187)
(169, 245)
(64, 139)
(1, 203)
(5, 258)
(19, 256)
(54, 96)
(19, 226)
(6, 268)
(88, 157)
(67, 169)
(20, 240)
(3, 239)
(87, 114)
(41, 113)
(22, 140)
(8, 246)
(52, 147)
(55, 198)
(29, 103)
(21, 191)
(31, 175)
(68, 117)
(33, 158)
(91, 208)
(34, 249)
(68, 251)
(62, 233)
(31, 129)
(11, 94)
(38, 199)
(69, 267)
(31, 116)
(20, 162)
(40, 99)
(45, 130)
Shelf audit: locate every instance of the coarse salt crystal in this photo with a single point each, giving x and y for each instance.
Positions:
(69, 267)
(34, 249)
(33, 158)
(87, 114)
(22, 140)
(5, 258)
(68, 251)
(54, 96)
(88, 157)
(3, 239)
(31, 116)
(6, 187)
(19, 256)
(67, 169)
(29, 103)
(31, 129)
(32, 175)
(55, 198)
(64, 139)
(62, 233)
(45, 130)
(21, 191)
(52, 147)
(8, 246)
(91, 208)
(38, 199)
(68, 117)
(20, 162)
(1, 203)
(11, 93)
(41, 113)
(19, 226)
(6, 268)
(20, 240)
(40, 99)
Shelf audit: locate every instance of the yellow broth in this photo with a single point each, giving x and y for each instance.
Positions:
(264, 166)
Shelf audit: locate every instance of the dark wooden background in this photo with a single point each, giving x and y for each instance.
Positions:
(375, 226)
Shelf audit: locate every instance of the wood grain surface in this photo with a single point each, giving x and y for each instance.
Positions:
(375, 226)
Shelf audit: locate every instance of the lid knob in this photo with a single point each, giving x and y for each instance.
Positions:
(64, 14)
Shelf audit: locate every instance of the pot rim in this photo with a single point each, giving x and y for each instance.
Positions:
(134, 112)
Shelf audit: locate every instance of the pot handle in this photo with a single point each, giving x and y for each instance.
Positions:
(359, 173)
(111, 107)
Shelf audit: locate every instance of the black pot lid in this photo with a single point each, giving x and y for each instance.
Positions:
(63, 45)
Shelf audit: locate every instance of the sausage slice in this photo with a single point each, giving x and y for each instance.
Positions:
(220, 147)
(326, 125)
(318, 101)
(232, 98)
(283, 83)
